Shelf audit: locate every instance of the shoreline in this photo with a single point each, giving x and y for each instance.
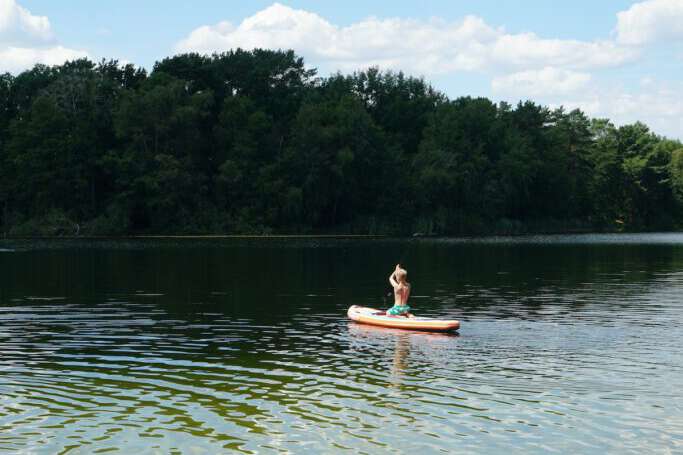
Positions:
(326, 236)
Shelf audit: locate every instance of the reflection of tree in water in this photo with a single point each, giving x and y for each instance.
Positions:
(547, 279)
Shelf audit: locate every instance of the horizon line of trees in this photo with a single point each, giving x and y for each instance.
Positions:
(256, 142)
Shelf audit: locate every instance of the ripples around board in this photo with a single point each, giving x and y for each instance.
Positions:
(126, 377)
(563, 349)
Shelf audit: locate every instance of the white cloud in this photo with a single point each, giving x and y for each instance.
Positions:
(18, 25)
(518, 65)
(523, 50)
(547, 81)
(650, 21)
(424, 47)
(655, 103)
(26, 39)
(16, 59)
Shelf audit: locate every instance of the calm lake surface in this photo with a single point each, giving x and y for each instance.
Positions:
(568, 344)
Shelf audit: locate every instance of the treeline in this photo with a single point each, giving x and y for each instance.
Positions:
(254, 142)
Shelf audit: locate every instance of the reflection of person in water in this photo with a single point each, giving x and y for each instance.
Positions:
(400, 362)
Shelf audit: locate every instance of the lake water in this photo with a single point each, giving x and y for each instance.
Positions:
(568, 344)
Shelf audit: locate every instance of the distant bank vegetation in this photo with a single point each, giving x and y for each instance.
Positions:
(255, 142)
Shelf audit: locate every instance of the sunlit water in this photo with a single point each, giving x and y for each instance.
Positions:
(569, 344)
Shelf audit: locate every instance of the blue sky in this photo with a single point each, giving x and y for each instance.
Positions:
(143, 31)
(617, 59)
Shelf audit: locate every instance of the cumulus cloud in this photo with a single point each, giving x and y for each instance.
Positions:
(18, 25)
(527, 49)
(656, 103)
(650, 21)
(26, 39)
(547, 81)
(16, 59)
(425, 47)
(518, 65)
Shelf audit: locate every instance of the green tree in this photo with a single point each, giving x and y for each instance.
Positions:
(245, 149)
(635, 146)
(400, 105)
(571, 140)
(157, 171)
(454, 163)
(253, 141)
(607, 185)
(676, 172)
(337, 159)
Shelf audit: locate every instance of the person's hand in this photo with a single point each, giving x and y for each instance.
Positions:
(398, 267)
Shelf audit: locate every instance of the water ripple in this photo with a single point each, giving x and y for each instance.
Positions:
(543, 363)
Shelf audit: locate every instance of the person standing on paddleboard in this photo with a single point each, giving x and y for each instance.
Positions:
(398, 280)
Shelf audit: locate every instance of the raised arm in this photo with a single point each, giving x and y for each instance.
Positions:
(392, 277)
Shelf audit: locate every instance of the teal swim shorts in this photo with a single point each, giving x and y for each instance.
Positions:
(398, 310)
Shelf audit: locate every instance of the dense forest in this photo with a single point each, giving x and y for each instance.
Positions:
(256, 142)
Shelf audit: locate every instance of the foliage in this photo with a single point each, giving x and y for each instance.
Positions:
(254, 142)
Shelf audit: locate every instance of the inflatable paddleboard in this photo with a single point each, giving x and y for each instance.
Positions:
(373, 316)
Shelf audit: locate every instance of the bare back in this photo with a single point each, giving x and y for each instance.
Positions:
(401, 294)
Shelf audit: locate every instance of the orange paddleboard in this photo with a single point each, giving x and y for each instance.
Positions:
(377, 317)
